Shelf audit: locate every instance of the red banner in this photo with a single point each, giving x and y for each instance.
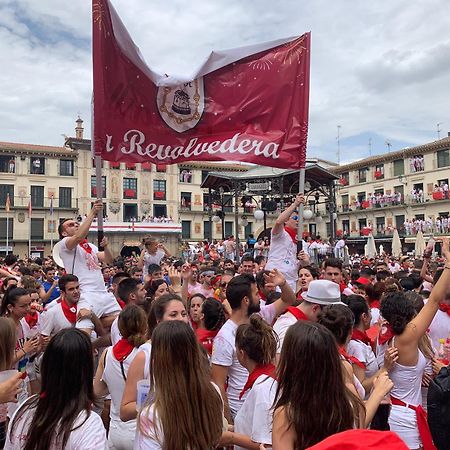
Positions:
(248, 104)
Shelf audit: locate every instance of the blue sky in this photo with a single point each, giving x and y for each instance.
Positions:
(378, 69)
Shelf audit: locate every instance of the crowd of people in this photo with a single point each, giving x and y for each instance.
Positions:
(198, 351)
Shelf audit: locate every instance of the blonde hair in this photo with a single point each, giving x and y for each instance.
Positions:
(8, 337)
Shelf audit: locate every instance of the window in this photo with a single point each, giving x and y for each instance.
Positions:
(207, 230)
(248, 229)
(104, 208)
(227, 203)
(37, 166)
(362, 175)
(362, 223)
(66, 167)
(94, 186)
(205, 173)
(185, 201)
(400, 224)
(380, 221)
(345, 203)
(130, 212)
(379, 172)
(419, 216)
(37, 196)
(206, 204)
(3, 229)
(228, 229)
(37, 229)
(185, 229)
(185, 175)
(159, 210)
(6, 189)
(400, 191)
(344, 179)
(399, 167)
(417, 163)
(361, 200)
(129, 188)
(443, 159)
(159, 189)
(65, 197)
(93, 162)
(346, 227)
(7, 164)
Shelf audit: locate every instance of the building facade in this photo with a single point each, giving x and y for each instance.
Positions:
(395, 191)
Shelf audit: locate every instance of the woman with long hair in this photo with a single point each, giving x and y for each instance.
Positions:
(405, 330)
(313, 400)
(256, 347)
(61, 416)
(113, 369)
(180, 382)
(169, 307)
(306, 274)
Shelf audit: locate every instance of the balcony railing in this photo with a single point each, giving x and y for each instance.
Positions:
(185, 206)
(20, 203)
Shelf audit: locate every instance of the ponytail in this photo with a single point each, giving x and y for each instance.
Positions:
(257, 339)
(132, 325)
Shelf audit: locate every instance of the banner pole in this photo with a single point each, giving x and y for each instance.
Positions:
(98, 181)
(7, 232)
(301, 190)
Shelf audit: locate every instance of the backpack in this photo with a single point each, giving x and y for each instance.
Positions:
(439, 409)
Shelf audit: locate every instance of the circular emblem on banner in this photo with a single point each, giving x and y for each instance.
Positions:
(181, 107)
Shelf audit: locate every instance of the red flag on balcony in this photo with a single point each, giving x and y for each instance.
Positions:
(248, 104)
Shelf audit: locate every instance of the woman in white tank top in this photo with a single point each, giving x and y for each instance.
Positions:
(112, 373)
(167, 307)
(404, 330)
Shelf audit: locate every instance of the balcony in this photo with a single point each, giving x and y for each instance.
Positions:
(114, 165)
(185, 206)
(130, 166)
(22, 203)
(146, 167)
(130, 194)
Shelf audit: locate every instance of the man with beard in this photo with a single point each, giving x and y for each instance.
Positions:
(242, 295)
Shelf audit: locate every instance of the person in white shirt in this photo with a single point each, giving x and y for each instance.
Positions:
(185, 388)
(64, 404)
(283, 244)
(152, 253)
(83, 259)
(242, 295)
(113, 369)
(256, 345)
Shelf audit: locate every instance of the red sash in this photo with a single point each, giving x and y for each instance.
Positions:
(267, 369)
(386, 334)
(351, 359)
(422, 423)
(84, 244)
(292, 233)
(122, 349)
(358, 335)
(297, 313)
(69, 311)
(444, 308)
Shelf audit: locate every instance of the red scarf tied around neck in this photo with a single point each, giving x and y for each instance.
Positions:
(292, 233)
(266, 369)
(444, 308)
(84, 244)
(386, 334)
(358, 335)
(351, 359)
(122, 349)
(70, 312)
(297, 313)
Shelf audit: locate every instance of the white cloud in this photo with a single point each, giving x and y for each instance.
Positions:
(377, 67)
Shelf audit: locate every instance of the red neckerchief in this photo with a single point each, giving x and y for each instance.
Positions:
(121, 303)
(297, 313)
(292, 233)
(386, 333)
(342, 286)
(122, 349)
(262, 296)
(205, 337)
(351, 359)
(422, 423)
(374, 304)
(32, 319)
(266, 369)
(84, 244)
(70, 312)
(444, 308)
(358, 335)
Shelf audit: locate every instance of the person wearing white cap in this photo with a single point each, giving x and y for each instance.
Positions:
(320, 293)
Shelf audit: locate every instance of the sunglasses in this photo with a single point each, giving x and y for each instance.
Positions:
(294, 217)
(223, 285)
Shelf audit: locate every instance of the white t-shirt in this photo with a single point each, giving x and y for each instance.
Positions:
(439, 328)
(283, 256)
(254, 419)
(115, 333)
(152, 259)
(86, 267)
(149, 421)
(224, 354)
(54, 320)
(91, 435)
(281, 326)
(268, 313)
